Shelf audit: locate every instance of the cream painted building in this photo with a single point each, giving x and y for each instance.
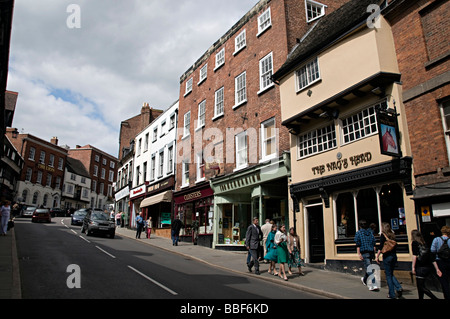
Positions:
(341, 99)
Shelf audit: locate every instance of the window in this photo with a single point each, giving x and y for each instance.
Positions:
(32, 153)
(35, 198)
(103, 173)
(203, 73)
(95, 170)
(265, 72)
(264, 21)
(138, 175)
(39, 178)
(51, 161)
(201, 114)
(60, 164)
(73, 177)
(163, 128)
(241, 150)
(240, 42)
(185, 172)
(144, 171)
(112, 164)
(308, 74)
(187, 123)
(58, 182)
(161, 164)
(104, 161)
(240, 90)
(145, 143)
(220, 58)
(29, 175)
(170, 159)
(172, 122)
(445, 110)
(269, 139)
(153, 167)
(360, 125)
(155, 134)
(317, 141)
(189, 86)
(139, 147)
(49, 180)
(314, 10)
(218, 104)
(200, 167)
(111, 176)
(97, 158)
(42, 158)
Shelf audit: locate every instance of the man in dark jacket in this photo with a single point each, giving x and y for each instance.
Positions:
(253, 238)
(176, 226)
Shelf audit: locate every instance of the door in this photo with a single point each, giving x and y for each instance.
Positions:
(316, 241)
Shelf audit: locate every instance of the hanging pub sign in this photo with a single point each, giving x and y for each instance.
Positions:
(388, 133)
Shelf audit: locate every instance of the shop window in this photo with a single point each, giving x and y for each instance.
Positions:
(345, 210)
(367, 206)
(392, 207)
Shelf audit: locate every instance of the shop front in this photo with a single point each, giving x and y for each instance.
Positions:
(122, 198)
(259, 191)
(158, 205)
(137, 195)
(195, 207)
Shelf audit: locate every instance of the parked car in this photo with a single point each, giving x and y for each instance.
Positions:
(98, 222)
(41, 215)
(57, 212)
(28, 211)
(78, 216)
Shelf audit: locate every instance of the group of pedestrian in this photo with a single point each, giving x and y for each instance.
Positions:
(279, 247)
(119, 218)
(143, 225)
(425, 260)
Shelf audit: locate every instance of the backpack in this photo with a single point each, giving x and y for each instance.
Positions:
(424, 254)
(444, 251)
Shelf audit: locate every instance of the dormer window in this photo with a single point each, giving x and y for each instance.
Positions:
(314, 10)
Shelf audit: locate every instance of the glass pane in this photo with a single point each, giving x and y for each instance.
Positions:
(392, 207)
(345, 209)
(367, 206)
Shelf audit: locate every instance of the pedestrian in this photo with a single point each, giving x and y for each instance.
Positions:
(271, 248)
(5, 213)
(176, 227)
(365, 247)
(122, 219)
(440, 248)
(266, 229)
(282, 251)
(149, 227)
(389, 260)
(253, 238)
(118, 215)
(422, 263)
(112, 215)
(140, 222)
(294, 252)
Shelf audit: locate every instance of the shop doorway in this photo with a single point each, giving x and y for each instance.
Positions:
(315, 233)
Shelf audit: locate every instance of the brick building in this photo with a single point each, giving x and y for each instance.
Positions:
(102, 169)
(43, 170)
(232, 152)
(421, 31)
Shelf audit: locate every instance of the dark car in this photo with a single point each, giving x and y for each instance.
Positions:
(78, 216)
(98, 222)
(57, 212)
(41, 215)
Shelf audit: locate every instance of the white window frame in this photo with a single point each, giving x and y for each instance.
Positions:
(241, 149)
(153, 167)
(155, 135)
(264, 22)
(161, 164)
(265, 73)
(189, 85)
(170, 159)
(308, 74)
(316, 6)
(42, 157)
(446, 124)
(201, 119)
(265, 139)
(200, 164)
(316, 141)
(203, 74)
(187, 124)
(240, 91)
(32, 154)
(185, 174)
(240, 42)
(219, 102)
(366, 126)
(220, 58)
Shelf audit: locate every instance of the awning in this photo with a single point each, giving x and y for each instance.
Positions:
(158, 198)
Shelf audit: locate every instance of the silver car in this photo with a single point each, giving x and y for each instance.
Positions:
(98, 222)
(28, 212)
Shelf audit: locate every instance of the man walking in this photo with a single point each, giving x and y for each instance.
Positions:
(365, 247)
(266, 229)
(139, 225)
(176, 226)
(252, 242)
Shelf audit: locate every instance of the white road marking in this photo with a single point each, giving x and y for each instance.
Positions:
(112, 256)
(154, 281)
(85, 239)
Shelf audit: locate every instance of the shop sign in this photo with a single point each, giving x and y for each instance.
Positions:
(388, 133)
(161, 185)
(193, 196)
(343, 163)
(426, 214)
(47, 168)
(241, 182)
(137, 192)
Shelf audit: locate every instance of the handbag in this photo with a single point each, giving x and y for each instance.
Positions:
(10, 224)
(389, 245)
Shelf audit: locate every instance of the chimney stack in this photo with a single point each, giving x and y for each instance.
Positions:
(54, 140)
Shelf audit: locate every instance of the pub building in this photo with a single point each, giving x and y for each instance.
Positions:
(350, 151)
(195, 207)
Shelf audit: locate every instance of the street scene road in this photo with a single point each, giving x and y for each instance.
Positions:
(122, 268)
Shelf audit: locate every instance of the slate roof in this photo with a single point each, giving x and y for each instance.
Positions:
(75, 166)
(327, 30)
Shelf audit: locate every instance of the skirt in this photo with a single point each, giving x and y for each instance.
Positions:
(295, 260)
(283, 253)
(271, 255)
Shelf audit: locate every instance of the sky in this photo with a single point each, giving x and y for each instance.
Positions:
(81, 67)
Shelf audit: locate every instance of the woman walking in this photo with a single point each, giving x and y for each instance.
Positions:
(282, 251)
(271, 249)
(149, 227)
(389, 260)
(294, 252)
(5, 213)
(422, 263)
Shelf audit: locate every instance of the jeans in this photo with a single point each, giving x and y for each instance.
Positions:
(444, 267)
(139, 231)
(175, 237)
(367, 260)
(389, 263)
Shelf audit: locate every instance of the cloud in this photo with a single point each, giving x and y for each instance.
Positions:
(79, 84)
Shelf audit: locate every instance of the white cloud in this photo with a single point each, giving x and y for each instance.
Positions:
(79, 84)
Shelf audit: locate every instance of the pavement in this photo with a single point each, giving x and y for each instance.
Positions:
(325, 283)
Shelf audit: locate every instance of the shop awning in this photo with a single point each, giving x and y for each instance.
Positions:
(158, 198)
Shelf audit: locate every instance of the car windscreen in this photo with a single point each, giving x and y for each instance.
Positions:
(41, 211)
(80, 213)
(99, 216)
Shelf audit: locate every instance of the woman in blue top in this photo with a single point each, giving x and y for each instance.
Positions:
(443, 264)
(5, 212)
